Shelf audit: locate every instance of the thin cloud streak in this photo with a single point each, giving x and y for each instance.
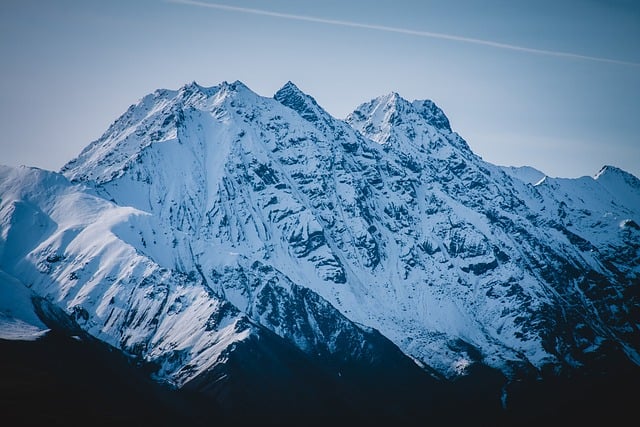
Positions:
(429, 34)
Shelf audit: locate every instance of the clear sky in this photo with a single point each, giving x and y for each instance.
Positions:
(551, 84)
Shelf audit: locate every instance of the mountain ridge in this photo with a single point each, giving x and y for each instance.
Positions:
(204, 216)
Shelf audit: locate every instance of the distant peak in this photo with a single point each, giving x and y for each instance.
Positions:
(194, 88)
(191, 87)
(289, 86)
(291, 96)
(238, 85)
(611, 173)
(608, 169)
(393, 97)
(390, 105)
(395, 110)
(425, 108)
(290, 90)
(393, 100)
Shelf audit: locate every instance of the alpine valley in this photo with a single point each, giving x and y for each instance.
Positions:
(221, 258)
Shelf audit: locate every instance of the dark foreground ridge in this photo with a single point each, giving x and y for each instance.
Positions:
(78, 381)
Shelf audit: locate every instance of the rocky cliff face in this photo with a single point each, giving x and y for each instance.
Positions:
(206, 218)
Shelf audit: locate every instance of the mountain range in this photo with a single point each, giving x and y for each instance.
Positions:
(268, 262)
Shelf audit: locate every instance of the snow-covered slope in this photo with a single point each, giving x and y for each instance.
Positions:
(73, 248)
(87, 255)
(203, 215)
(525, 174)
(18, 319)
(510, 266)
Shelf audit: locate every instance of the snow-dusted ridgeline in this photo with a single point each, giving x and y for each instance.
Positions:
(204, 214)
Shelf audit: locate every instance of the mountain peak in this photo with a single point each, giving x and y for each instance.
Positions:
(621, 183)
(610, 173)
(236, 85)
(194, 91)
(289, 93)
(224, 87)
(291, 96)
(394, 101)
(192, 85)
(393, 109)
(381, 113)
(391, 114)
(289, 86)
(608, 170)
(392, 97)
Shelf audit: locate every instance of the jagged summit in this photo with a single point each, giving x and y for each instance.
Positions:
(391, 101)
(157, 118)
(611, 175)
(291, 96)
(389, 108)
(289, 89)
(224, 85)
(392, 119)
(608, 170)
(620, 183)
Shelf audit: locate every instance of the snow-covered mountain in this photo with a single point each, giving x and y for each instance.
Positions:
(207, 219)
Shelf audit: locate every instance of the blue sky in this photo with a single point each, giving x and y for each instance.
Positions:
(70, 68)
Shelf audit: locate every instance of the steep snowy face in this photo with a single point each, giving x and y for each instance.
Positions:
(80, 252)
(157, 244)
(211, 182)
(268, 212)
(88, 256)
(519, 271)
(622, 185)
(307, 107)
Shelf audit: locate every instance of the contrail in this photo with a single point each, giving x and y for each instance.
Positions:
(429, 34)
